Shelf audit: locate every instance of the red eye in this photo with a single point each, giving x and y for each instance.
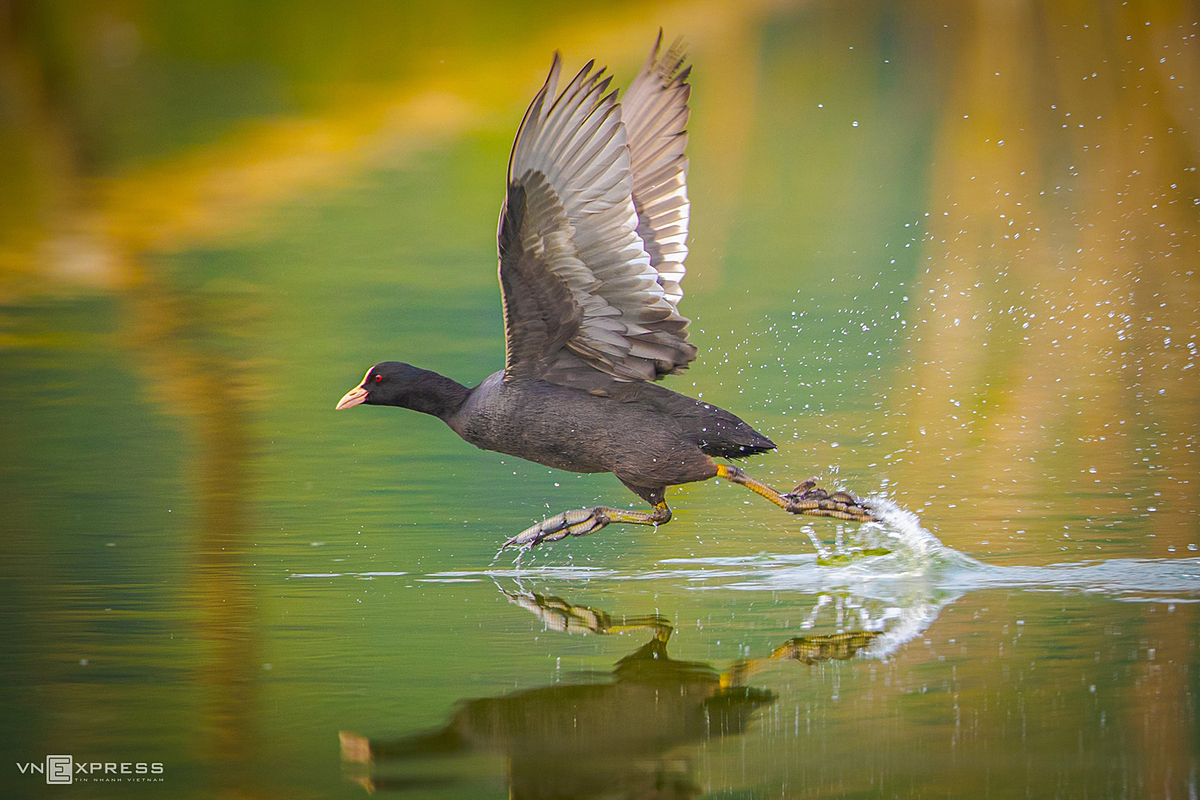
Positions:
(378, 378)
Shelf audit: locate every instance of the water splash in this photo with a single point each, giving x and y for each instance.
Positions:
(916, 558)
(902, 592)
(904, 528)
(892, 576)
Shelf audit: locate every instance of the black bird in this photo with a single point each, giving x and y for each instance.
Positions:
(592, 243)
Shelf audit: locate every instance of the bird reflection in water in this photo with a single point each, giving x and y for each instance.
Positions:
(607, 739)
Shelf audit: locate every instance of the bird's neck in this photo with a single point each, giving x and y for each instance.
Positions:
(431, 393)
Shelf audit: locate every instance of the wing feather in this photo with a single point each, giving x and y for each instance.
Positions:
(656, 115)
(587, 301)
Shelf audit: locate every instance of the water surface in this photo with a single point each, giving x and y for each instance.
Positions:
(942, 253)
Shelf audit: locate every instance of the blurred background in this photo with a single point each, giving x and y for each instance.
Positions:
(945, 250)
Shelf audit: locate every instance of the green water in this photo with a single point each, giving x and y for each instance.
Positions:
(943, 251)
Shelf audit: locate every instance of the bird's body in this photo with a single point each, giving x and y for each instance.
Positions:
(592, 243)
(573, 430)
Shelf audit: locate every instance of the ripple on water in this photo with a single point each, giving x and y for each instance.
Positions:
(916, 561)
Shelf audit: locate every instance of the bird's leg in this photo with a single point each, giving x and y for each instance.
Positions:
(583, 521)
(559, 615)
(804, 499)
(805, 649)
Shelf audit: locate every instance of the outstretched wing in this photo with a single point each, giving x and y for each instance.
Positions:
(655, 112)
(583, 303)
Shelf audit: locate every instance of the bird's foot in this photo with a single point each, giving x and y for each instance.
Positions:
(835, 646)
(808, 498)
(580, 522)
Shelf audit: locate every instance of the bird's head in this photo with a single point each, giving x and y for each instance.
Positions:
(385, 384)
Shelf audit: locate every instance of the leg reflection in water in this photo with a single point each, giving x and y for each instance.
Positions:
(607, 739)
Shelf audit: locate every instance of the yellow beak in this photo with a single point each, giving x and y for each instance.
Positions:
(352, 398)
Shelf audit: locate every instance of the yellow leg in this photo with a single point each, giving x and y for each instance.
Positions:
(585, 521)
(736, 475)
(804, 499)
(805, 649)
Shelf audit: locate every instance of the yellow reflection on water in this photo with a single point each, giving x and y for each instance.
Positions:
(1057, 301)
